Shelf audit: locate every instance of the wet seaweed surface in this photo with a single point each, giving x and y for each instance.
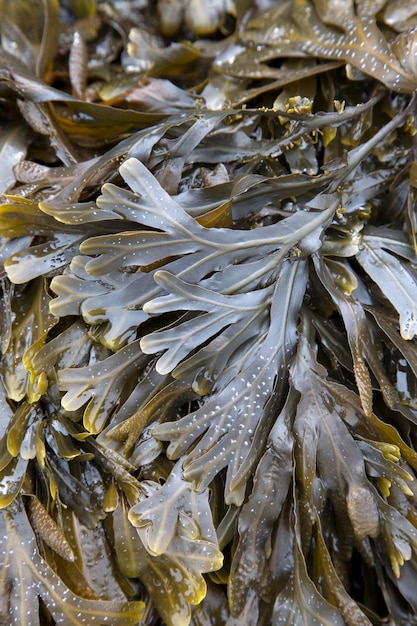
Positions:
(208, 238)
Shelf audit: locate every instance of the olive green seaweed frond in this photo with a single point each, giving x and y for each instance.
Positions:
(208, 312)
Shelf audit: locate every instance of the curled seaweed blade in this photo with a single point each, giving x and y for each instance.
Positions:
(149, 204)
(175, 526)
(131, 555)
(13, 147)
(101, 385)
(326, 453)
(388, 322)
(35, 34)
(42, 259)
(21, 216)
(383, 463)
(173, 581)
(398, 536)
(300, 603)
(12, 477)
(172, 509)
(149, 56)
(27, 577)
(71, 348)
(360, 343)
(333, 588)
(92, 574)
(250, 566)
(31, 324)
(396, 282)
(111, 304)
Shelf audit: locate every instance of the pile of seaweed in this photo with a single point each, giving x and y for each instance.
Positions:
(208, 237)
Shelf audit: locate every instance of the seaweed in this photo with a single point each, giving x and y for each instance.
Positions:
(208, 317)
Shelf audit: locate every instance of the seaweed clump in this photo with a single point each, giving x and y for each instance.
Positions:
(208, 397)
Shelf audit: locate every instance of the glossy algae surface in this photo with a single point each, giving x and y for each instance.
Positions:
(208, 317)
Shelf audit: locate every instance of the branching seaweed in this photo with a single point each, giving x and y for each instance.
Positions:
(208, 315)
